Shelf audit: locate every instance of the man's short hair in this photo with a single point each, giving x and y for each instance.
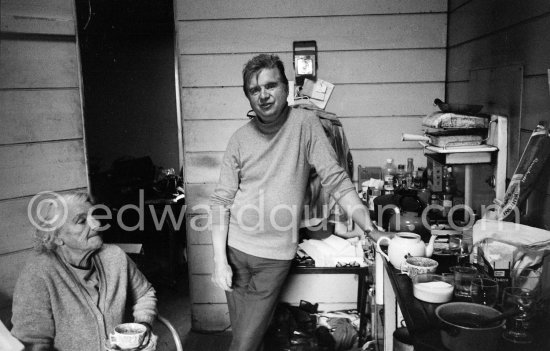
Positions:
(260, 62)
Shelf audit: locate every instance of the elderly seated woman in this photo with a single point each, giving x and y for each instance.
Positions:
(75, 289)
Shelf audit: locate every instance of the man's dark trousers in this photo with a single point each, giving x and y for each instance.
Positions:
(256, 286)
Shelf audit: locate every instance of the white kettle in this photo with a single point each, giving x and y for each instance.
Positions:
(405, 244)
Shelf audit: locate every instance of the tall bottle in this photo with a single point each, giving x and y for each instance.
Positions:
(449, 190)
(409, 176)
(400, 177)
(389, 172)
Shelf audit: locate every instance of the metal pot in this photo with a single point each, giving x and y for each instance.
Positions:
(459, 331)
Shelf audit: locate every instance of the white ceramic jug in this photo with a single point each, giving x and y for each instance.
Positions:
(405, 244)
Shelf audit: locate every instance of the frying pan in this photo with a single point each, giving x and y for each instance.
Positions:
(458, 108)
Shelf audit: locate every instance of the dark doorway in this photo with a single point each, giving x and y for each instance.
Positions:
(127, 57)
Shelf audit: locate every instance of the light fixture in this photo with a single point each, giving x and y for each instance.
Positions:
(305, 60)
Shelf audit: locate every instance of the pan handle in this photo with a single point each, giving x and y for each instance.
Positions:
(414, 137)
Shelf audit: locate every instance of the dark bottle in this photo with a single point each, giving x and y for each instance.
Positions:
(400, 177)
(449, 190)
(409, 177)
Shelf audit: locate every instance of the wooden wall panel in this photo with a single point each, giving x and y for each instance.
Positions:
(371, 66)
(11, 264)
(399, 99)
(198, 236)
(230, 103)
(204, 290)
(197, 196)
(496, 14)
(459, 92)
(17, 233)
(383, 66)
(331, 33)
(41, 142)
(205, 135)
(500, 90)
(27, 169)
(203, 167)
(521, 44)
(200, 259)
(454, 4)
(38, 64)
(223, 9)
(536, 101)
(53, 9)
(40, 115)
(347, 100)
(381, 133)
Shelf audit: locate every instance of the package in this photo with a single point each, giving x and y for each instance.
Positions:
(495, 260)
(454, 120)
(527, 173)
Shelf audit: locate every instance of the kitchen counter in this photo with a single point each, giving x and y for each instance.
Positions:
(422, 322)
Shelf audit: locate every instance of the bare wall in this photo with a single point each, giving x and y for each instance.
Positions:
(42, 144)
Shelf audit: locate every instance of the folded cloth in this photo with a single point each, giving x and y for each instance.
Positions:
(328, 252)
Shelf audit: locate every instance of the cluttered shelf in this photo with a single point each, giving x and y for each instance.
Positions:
(364, 275)
(423, 325)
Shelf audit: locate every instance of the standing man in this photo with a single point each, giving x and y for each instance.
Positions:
(257, 205)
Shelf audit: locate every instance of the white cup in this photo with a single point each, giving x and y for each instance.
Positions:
(128, 336)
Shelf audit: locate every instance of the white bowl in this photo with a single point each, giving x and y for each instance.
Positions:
(432, 288)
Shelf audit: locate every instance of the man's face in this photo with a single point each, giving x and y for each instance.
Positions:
(267, 95)
(79, 232)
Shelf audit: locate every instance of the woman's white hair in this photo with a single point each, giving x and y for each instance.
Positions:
(52, 218)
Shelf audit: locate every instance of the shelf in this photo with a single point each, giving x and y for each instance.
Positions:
(495, 151)
(459, 154)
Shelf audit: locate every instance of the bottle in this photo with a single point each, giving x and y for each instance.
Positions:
(400, 177)
(374, 194)
(449, 181)
(449, 189)
(409, 178)
(389, 171)
(417, 179)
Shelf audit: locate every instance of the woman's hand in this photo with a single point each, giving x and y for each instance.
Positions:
(149, 339)
(223, 275)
